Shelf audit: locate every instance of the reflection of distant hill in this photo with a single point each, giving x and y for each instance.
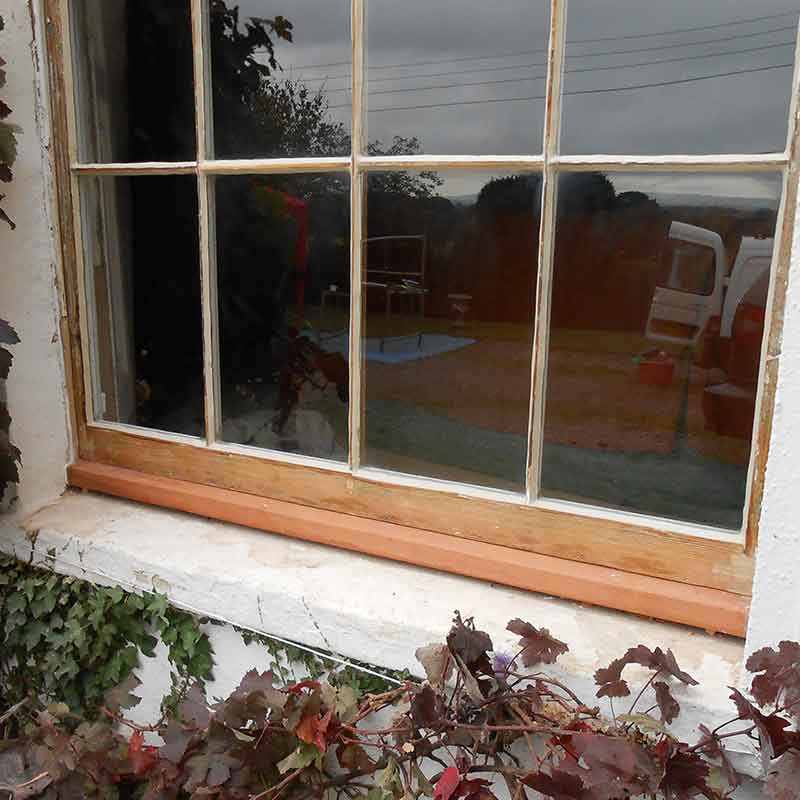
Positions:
(714, 201)
(463, 199)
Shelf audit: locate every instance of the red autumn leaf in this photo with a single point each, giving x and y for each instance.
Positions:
(297, 688)
(447, 784)
(538, 646)
(312, 729)
(142, 756)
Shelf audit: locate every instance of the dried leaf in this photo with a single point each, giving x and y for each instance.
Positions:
(467, 643)
(425, 707)
(437, 662)
(353, 757)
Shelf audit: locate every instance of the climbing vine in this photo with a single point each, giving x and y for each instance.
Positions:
(361, 677)
(71, 641)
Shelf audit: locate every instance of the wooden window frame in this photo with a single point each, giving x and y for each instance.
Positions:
(632, 562)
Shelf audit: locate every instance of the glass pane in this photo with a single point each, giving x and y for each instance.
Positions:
(450, 279)
(280, 78)
(658, 311)
(135, 87)
(678, 77)
(456, 78)
(283, 263)
(143, 288)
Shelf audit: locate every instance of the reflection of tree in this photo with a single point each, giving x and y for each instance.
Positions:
(416, 185)
(257, 112)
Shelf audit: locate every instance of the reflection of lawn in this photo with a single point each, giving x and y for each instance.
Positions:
(610, 439)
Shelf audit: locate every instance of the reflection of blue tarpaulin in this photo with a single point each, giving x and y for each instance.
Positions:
(398, 349)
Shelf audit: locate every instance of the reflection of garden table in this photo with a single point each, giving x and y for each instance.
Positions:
(390, 290)
(404, 290)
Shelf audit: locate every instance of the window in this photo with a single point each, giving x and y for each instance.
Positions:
(499, 278)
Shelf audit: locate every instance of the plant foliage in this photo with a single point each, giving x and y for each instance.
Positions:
(67, 640)
(8, 139)
(480, 719)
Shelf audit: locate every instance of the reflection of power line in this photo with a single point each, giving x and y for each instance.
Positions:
(583, 41)
(570, 57)
(577, 92)
(579, 69)
(685, 30)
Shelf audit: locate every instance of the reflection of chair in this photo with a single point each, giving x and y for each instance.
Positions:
(389, 266)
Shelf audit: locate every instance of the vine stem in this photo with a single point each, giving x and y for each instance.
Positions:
(643, 690)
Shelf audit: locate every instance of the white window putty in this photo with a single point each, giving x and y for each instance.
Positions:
(362, 607)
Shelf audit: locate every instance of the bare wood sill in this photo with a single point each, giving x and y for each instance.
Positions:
(705, 608)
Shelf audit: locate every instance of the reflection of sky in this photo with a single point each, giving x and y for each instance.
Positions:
(453, 55)
(743, 112)
(698, 188)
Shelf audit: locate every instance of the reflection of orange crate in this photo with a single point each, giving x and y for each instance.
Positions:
(658, 372)
(729, 410)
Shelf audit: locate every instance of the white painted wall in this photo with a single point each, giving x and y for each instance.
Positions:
(775, 612)
(28, 294)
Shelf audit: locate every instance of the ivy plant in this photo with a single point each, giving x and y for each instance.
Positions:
(71, 641)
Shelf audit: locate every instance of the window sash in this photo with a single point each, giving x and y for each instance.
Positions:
(103, 440)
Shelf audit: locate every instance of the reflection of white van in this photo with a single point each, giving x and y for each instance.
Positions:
(699, 304)
(694, 261)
